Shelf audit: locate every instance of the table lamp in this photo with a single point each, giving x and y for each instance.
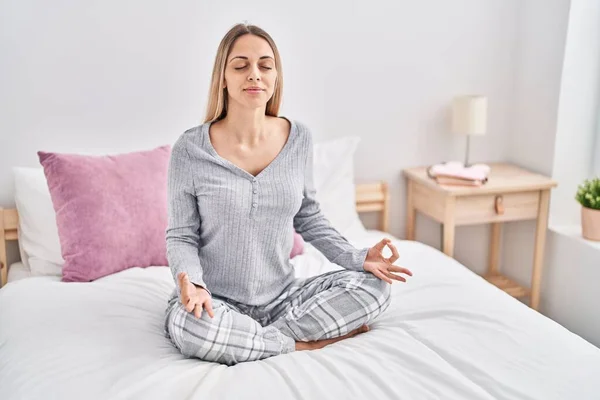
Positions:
(469, 117)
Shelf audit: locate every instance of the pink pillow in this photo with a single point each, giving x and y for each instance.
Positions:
(111, 211)
(298, 247)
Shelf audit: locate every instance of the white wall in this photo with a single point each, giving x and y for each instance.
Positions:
(537, 74)
(557, 94)
(113, 76)
(573, 268)
(538, 66)
(578, 111)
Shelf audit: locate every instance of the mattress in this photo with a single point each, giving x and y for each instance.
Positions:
(18, 271)
(447, 334)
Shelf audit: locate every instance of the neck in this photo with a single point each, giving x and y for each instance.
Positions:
(246, 126)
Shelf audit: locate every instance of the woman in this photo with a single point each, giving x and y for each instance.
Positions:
(238, 184)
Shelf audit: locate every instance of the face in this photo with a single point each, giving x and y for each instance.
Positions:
(250, 64)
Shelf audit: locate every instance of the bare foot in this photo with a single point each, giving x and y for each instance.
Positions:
(319, 344)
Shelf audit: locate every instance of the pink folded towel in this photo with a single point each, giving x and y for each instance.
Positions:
(457, 169)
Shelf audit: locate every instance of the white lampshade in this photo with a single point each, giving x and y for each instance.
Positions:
(469, 115)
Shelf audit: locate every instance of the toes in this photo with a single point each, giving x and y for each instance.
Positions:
(358, 330)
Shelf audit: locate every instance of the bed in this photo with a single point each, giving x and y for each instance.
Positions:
(448, 334)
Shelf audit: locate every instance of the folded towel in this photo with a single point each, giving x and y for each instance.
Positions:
(446, 181)
(455, 169)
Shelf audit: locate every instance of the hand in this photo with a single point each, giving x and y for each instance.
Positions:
(382, 267)
(194, 298)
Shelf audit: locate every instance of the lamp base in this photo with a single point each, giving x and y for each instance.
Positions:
(467, 164)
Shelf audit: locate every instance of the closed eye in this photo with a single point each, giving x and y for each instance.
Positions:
(240, 68)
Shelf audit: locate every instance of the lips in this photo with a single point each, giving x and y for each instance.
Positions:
(253, 89)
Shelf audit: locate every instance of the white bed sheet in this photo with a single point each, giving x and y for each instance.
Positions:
(18, 271)
(447, 334)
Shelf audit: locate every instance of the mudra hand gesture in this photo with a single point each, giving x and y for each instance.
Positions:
(194, 298)
(382, 267)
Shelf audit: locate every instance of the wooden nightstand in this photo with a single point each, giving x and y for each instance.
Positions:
(510, 194)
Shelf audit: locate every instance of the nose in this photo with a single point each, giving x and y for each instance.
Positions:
(254, 74)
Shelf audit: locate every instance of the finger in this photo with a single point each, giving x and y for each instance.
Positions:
(189, 306)
(381, 244)
(181, 277)
(381, 276)
(394, 255)
(186, 279)
(395, 268)
(395, 277)
(209, 309)
(198, 310)
(185, 299)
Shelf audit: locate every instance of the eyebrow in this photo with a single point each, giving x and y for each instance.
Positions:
(245, 58)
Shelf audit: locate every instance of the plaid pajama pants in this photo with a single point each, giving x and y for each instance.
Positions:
(320, 307)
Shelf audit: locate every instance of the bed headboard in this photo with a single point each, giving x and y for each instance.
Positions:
(9, 222)
(374, 197)
(370, 197)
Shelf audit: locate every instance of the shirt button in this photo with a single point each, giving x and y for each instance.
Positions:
(255, 191)
(254, 204)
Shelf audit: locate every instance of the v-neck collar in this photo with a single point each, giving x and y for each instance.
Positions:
(240, 171)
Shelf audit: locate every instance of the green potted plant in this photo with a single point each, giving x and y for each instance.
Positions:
(588, 194)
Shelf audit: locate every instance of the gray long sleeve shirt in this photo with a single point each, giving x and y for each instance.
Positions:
(232, 231)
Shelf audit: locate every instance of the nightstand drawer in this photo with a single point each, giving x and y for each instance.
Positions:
(497, 207)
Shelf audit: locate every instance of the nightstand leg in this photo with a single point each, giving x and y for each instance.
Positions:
(3, 261)
(538, 253)
(449, 228)
(448, 246)
(494, 248)
(411, 212)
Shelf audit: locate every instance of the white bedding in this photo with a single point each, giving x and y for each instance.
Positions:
(447, 334)
(18, 271)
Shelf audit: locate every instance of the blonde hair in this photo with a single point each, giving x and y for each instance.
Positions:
(217, 95)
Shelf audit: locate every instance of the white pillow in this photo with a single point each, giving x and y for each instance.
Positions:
(39, 243)
(333, 171)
